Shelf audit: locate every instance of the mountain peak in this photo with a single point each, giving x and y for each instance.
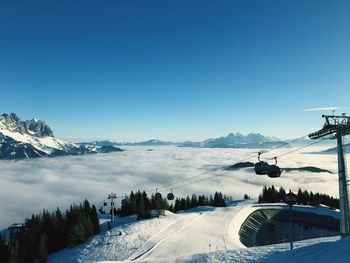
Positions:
(34, 127)
(33, 138)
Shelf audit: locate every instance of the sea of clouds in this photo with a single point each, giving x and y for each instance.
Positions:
(28, 186)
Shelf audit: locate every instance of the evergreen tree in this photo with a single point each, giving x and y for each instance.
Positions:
(76, 235)
(299, 197)
(95, 220)
(4, 251)
(142, 209)
(281, 195)
(42, 249)
(218, 200)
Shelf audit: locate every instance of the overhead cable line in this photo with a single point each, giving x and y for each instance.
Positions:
(225, 173)
(224, 167)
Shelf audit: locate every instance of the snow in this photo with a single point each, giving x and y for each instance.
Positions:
(319, 252)
(202, 234)
(260, 254)
(45, 144)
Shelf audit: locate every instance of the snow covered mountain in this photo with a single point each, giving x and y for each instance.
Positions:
(232, 140)
(237, 140)
(33, 138)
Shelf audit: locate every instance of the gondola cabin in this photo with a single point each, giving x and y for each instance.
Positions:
(170, 196)
(262, 168)
(274, 171)
(158, 196)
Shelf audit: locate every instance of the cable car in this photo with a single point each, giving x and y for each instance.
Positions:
(170, 196)
(123, 201)
(261, 168)
(158, 196)
(104, 203)
(274, 171)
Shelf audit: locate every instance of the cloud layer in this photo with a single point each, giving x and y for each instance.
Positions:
(28, 186)
(323, 109)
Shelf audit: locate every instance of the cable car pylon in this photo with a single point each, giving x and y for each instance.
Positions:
(337, 127)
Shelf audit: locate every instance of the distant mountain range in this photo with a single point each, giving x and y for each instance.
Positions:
(333, 150)
(236, 140)
(34, 138)
(152, 142)
(232, 140)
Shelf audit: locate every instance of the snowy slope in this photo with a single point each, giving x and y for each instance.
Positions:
(271, 254)
(202, 234)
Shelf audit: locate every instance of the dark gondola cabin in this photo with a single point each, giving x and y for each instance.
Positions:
(274, 171)
(158, 196)
(261, 167)
(170, 196)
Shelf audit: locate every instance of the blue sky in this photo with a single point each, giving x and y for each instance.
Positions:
(134, 70)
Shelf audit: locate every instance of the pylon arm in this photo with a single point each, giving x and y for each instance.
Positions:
(325, 131)
(334, 124)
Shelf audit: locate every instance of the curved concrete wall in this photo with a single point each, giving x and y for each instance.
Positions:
(270, 226)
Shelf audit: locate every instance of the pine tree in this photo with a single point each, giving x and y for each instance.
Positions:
(4, 251)
(299, 197)
(95, 220)
(76, 235)
(281, 195)
(42, 249)
(141, 209)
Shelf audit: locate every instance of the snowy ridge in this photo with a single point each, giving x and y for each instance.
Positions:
(33, 138)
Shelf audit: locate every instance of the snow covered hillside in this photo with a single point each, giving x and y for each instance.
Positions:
(202, 234)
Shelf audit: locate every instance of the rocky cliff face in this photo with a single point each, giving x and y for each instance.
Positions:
(33, 127)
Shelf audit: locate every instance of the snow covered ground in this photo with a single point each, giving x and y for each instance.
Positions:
(202, 234)
(46, 183)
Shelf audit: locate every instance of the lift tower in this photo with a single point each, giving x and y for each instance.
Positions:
(112, 196)
(336, 127)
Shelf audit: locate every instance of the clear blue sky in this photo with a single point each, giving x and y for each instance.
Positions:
(174, 70)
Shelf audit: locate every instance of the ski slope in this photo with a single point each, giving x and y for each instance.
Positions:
(206, 232)
(202, 234)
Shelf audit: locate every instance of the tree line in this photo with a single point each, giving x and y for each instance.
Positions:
(140, 204)
(201, 200)
(47, 232)
(272, 195)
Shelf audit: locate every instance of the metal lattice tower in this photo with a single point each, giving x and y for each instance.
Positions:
(336, 127)
(112, 196)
